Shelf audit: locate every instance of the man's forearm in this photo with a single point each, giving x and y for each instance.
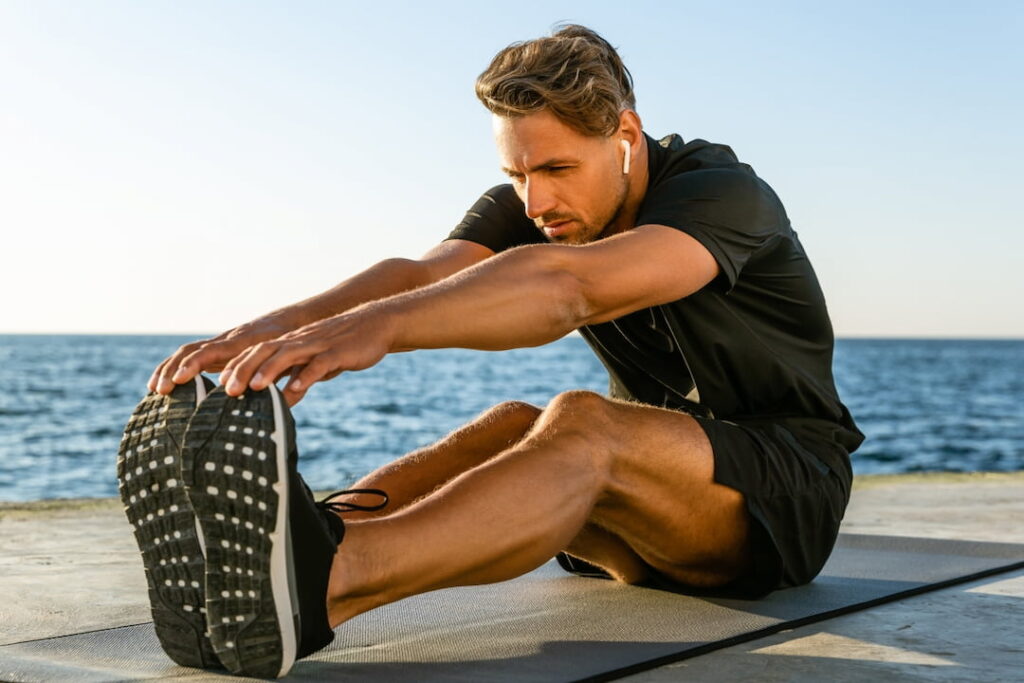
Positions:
(523, 297)
(520, 298)
(387, 278)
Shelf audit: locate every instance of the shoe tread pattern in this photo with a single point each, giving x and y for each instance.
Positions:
(151, 488)
(229, 470)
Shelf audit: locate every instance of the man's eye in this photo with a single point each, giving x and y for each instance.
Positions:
(558, 169)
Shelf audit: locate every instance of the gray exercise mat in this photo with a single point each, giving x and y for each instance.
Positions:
(547, 625)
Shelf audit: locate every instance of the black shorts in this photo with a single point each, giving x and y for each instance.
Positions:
(795, 476)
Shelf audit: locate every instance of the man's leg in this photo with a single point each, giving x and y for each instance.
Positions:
(423, 471)
(642, 475)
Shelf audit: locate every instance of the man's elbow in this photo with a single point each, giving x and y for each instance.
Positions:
(576, 308)
(552, 267)
(409, 273)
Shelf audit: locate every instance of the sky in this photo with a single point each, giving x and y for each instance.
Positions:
(182, 167)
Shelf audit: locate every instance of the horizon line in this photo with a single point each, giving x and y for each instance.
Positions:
(850, 337)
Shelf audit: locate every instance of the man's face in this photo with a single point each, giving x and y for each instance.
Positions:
(571, 184)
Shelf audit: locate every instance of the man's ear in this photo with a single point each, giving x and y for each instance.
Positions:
(630, 134)
(630, 128)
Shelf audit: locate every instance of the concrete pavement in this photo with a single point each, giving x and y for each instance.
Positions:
(72, 566)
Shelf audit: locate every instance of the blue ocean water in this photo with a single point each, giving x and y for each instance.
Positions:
(924, 405)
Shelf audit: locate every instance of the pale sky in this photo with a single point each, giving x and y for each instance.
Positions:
(185, 166)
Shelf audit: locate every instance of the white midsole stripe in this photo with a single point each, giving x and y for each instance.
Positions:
(200, 389)
(200, 396)
(278, 539)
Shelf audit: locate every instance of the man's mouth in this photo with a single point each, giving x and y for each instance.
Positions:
(556, 228)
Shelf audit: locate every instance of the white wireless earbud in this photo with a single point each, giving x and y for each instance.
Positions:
(625, 158)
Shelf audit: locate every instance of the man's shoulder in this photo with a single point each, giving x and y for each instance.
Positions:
(503, 197)
(701, 170)
(677, 154)
(498, 221)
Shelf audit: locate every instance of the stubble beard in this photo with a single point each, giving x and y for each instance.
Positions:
(588, 232)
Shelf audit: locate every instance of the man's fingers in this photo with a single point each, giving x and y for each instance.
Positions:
(167, 373)
(210, 357)
(154, 379)
(260, 365)
(316, 370)
(292, 397)
(189, 360)
(229, 369)
(305, 362)
(241, 365)
(322, 367)
(237, 358)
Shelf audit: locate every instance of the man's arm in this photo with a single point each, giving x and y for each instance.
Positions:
(384, 279)
(389, 277)
(523, 297)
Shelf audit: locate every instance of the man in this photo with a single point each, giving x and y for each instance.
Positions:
(719, 464)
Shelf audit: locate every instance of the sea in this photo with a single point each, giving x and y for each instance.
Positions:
(925, 405)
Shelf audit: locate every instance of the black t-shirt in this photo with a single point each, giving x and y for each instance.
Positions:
(754, 343)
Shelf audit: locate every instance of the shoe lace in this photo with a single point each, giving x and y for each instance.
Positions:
(328, 503)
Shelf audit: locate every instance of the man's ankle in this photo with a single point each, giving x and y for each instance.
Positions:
(358, 582)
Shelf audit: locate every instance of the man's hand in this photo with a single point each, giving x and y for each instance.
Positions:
(322, 350)
(213, 354)
(382, 280)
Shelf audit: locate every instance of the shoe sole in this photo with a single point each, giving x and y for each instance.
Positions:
(235, 467)
(155, 502)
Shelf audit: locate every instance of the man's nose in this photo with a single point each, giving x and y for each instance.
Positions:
(539, 199)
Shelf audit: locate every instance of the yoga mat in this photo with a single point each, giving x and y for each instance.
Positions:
(547, 625)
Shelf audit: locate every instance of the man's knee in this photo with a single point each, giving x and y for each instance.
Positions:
(514, 411)
(577, 407)
(579, 420)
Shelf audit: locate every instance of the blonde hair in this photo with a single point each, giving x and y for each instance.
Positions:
(574, 73)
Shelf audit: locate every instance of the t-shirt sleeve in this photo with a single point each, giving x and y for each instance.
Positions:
(731, 213)
(498, 221)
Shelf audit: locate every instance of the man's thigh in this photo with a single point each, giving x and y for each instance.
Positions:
(707, 502)
(662, 499)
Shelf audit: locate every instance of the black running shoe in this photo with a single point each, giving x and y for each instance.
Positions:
(269, 545)
(151, 487)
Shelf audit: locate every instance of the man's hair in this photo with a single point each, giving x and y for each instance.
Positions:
(574, 73)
